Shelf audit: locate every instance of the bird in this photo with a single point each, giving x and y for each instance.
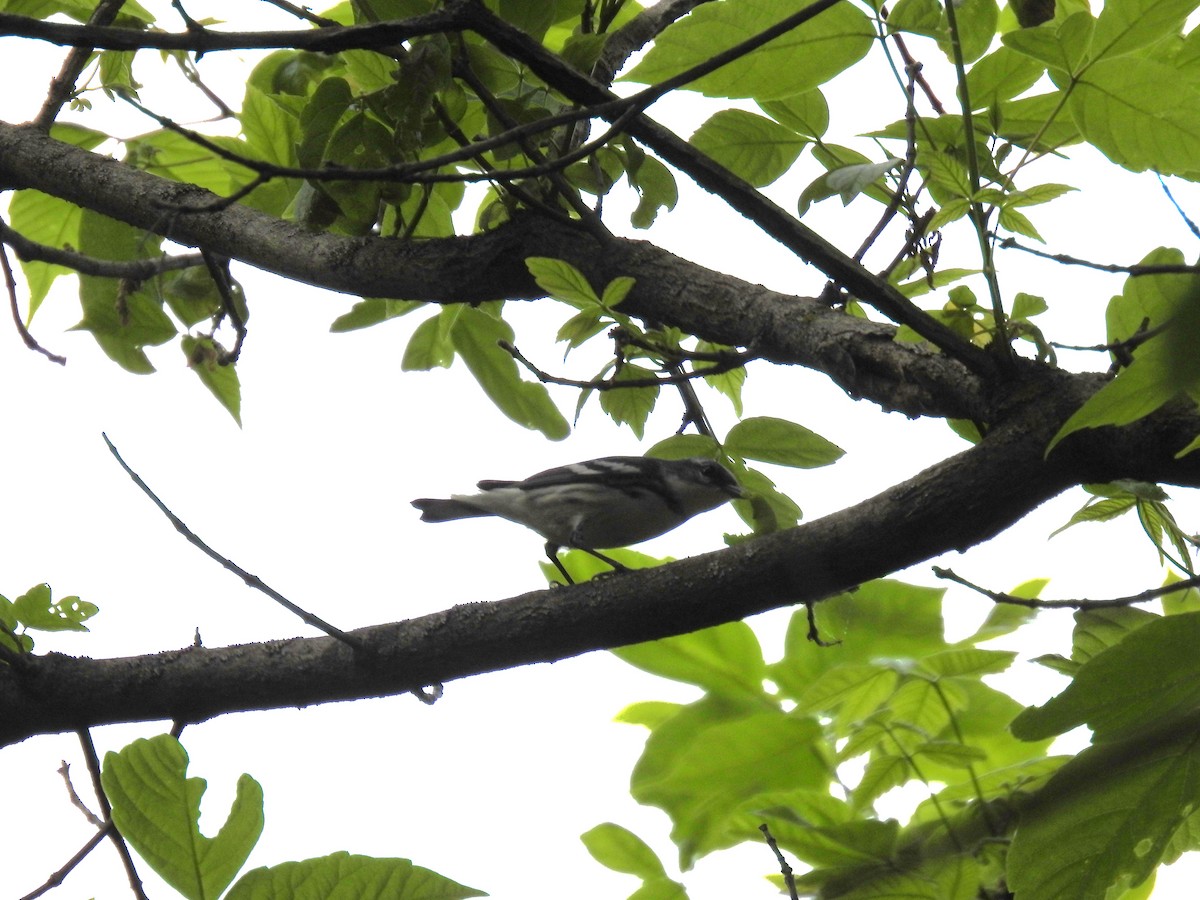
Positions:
(597, 504)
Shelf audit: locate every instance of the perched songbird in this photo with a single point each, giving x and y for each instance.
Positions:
(599, 504)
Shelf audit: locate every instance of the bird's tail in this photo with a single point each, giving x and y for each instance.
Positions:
(445, 510)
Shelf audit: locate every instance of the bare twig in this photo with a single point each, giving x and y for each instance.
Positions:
(59, 876)
(1135, 270)
(1179, 209)
(65, 771)
(63, 84)
(910, 164)
(218, 268)
(1121, 348)
(132, 269)
(11, 284)
(909, 63)
(1000, 597)
(251, 580)
(608, 384)
(789, 878)
(93, 766)
(814, 633)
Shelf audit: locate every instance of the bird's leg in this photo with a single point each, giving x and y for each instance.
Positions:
(552, 553)
(600, 556)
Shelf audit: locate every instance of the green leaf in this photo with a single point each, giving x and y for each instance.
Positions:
(1039, 122)
(621, 850)
(725, 660)
(976, 21)
(881, 619)
(35, 609)
(1135, 393)
(203, 356)
(1062, 47)
(1124, 26)
(706, 776)
(768, 509)
(798, 61)
(116, 73)
(656, 190)
(632, 405)
(1133, 796)
(681, 446)
(343, 875)
(562, 281)
(50, 221)
(616, 291)
(730, 382)
(806, 114)
(1136, 686)
(272, 133)
(431, 344)
(852, 692)
(475, 335)
(966, 661)
(581, 327)
(1097, 630)
(1149, 301)
(1005, 618)
(1141, 114)
(1001, 75)
(372, 311)
(319, 118)
(1026, 306)
(157, 809)
(752, 147)
(778, 441)
(123, 319)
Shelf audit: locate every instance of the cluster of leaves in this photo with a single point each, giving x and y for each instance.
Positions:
(1152, 327)
(1149, 501)
(810, 745)
(156, 808)
(37, 610)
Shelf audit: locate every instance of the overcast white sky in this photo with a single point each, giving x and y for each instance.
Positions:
(492, 785)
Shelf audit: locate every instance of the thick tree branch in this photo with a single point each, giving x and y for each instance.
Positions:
(951, 506)
(859, 355)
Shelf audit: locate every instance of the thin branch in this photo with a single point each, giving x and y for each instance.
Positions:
(132, 269)
(300, 12)
(610, 384)
(1179, 209)
(59, 876)
(420, 171)
(554, 168)
(910, 164)
(1002, 345)
(93, 766)
(1068, 260)
(789, 877)
(10, 282)
(1121, 348)
(218, 269)
(814, 633)
(62, 87)
(251, 580)
(1001, 597)
(65, 771)
(909, 63)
